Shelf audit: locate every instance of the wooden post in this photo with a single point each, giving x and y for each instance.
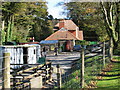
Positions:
(50, 72)
(103, 53)
(82, 68)
(14, 82)
(59, 83)
(6, 70)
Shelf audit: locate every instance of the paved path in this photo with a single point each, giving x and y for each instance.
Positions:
(64, 59)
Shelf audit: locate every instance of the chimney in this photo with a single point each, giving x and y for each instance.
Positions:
(77, 30)
(61, 23)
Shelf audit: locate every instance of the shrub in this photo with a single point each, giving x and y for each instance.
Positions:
(117, 50)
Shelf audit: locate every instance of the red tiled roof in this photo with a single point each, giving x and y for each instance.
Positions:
(64, 35)
(68, 24)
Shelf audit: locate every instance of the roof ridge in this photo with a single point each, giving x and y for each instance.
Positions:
(67, 24)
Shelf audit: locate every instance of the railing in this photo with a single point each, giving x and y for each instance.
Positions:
(25, 78)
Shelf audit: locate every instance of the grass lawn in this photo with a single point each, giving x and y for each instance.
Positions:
(111, 78)
(92, 67)
(117, 58)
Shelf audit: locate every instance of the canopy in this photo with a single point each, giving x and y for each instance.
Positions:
(48, 41)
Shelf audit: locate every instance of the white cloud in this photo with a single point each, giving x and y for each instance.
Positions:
(55, 10)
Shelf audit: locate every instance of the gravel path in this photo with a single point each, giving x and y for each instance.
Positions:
(64, 59)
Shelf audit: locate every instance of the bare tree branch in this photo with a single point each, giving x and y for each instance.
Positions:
(111, 14)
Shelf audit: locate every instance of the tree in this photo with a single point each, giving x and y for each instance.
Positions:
(111, 17)
(10, 11)
(26, 19)
(111, 14)
(50, 17)
(41, 23)
(88, 17)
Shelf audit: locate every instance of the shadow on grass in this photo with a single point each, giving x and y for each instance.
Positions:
(104, 75)
(115, 61)
(107, 79)
(111, 71)
(109, 75)
(107, 88)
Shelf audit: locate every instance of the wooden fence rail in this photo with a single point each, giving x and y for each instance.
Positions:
(35, 76)
(25, 77)
(103, 54)
(90, 58)
(43, 73)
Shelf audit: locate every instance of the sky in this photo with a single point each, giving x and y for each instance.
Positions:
(54, 9)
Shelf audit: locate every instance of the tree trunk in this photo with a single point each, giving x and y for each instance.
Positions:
(2, 34)
(10, 29)
(8, 32)
(11, 26)
(111, 49)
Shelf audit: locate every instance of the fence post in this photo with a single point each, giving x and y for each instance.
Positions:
(104, 53)
(82, 68)
(59, 80)
(50, 71)
(6, 70)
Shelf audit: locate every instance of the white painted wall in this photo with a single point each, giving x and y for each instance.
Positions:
(16, 54)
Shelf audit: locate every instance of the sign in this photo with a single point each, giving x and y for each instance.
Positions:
(81, 42)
